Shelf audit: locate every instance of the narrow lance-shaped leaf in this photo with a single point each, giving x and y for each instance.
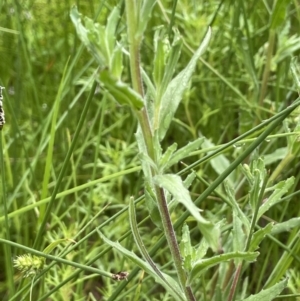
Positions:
(235, 206)
(184, 152)
(89, 35)
(203, 264)
(295, 69)
(161, 51)
(173, 184)
(270, 293)
(145, 15)
(279, 13)
(286, 226)
(280, 189)
(142, 249)
(176, 292)
(152, 205)
(219, 163)
(116, 63)
(165, 158)
(176, 88)
(173, 57)
(110, 29)
(258, 236)
(186, 248)
(121, 92)
(239, 236)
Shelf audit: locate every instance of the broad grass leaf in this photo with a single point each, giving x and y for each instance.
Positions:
(270, 293)
(173, 95)
(204, 264)
(170, 284)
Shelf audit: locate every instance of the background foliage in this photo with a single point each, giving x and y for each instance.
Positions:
(45, 72)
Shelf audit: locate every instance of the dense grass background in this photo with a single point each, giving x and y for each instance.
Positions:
(226, 98)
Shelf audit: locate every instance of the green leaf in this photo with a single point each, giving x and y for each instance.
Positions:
(161, 47)
(270, 293)
(286, 226)
(294, 147)
(279, 13)
(211, 234)
(258, 171)
(239, 236)
(186, 249)
(183, 152)
(55, 243)
(204, 264)
(219, 163)
(277, 155)
(189, 179)
(258, 236)
(139, 242)
(110, 29)
(255, 189)
(167, 156)
(116, 64)
(281, 188)
(172, 60)
(176, 88)
(92, 36)
(150, 200)
(202, 249)
(235, 206)
(173, 184)
(145, 15)
(295, 69)
(143, 149)
(120, 91)
(169, 283)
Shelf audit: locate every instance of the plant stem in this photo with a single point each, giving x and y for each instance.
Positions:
(142, 115)
(237, 275)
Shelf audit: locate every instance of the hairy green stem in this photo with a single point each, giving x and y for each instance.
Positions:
(134, 48)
